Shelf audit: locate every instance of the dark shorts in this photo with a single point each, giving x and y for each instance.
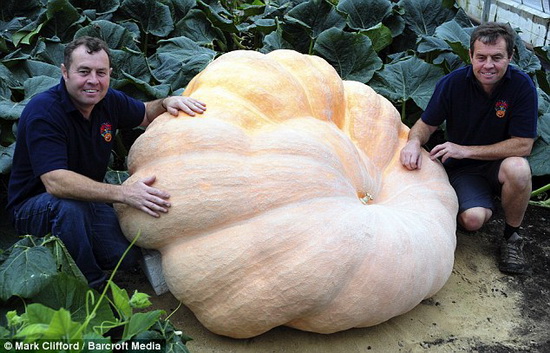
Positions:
(476, 185)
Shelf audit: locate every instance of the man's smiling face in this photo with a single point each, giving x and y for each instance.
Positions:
(489, 63)
(87, 79)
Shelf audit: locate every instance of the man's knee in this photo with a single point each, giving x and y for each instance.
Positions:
(474, 218)
(515, 171)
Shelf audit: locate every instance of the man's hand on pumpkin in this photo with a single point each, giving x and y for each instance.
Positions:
(411, 156)
(188, 105)
(142, 196)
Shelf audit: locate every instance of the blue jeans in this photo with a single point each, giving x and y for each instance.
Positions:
(90, 231)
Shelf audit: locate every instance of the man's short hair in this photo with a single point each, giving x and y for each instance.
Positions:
(92, 44)
(489, 32)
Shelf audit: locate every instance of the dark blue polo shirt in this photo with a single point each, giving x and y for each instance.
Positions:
(52, 134)
(473, 118)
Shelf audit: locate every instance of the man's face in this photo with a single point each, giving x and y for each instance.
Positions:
(489, 63)
(87, 79)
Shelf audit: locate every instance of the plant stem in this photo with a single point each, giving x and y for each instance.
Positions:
(541, 190)
(90, 316)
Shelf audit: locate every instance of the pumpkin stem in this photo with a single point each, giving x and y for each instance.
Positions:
(366, 198)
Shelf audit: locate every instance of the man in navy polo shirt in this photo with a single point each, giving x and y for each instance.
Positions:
(64, 141)
(490, 109)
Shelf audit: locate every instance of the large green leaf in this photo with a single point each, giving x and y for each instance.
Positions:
(380, 36)
(351, 54)
(196, 26)
(115, 35)
(457, 37)
(27, 270)
(365, 14)
(63, 19)
(423, 16)
(101, 7)
(274, 41)
(48, 51)
(539, 161)
(182, 7)
(316, 16)
(525, 59)
(153, 16)
(10, 110)
(140, 89)
(16, 8)
(48, 324)
(6, 157)
(24, 69)
(219, 16)
(411, 78)
(66, 291)
(178, 60)
(140, 322)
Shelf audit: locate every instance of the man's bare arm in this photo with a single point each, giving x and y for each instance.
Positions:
(512, 147)
(141, 195)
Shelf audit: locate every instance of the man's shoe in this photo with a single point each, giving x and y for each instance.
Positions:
(512, 259)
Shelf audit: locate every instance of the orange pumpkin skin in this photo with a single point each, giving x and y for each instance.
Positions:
(270, 223)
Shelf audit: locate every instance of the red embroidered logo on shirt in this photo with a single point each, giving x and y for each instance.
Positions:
(500, 108)
(107, 131)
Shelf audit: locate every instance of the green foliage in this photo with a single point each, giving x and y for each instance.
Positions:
(45, 297)
(159, 45)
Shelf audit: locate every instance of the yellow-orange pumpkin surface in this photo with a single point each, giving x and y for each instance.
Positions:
(289, 202)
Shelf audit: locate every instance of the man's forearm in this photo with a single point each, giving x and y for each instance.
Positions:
(152, 110)
(513, 147)
(421, 132)
(70, 185)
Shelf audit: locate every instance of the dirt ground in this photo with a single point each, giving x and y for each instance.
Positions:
(478, 310)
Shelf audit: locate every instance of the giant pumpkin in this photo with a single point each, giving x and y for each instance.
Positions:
(289, 202)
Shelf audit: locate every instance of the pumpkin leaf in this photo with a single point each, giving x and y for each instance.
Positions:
(46, 323)
(362, 15)
(99, 7)
(274, 41)
(27, 270)
(196, 26)
(121, 301)
(62, 20)
(539, 161)
(6, 157)
(526, 60)
(153, 16)
(115, 35)
(140, 322)
(10, 110)
(423, 16)
(315, 16)
(351, 54)
(48, 51)
(411, 78)
(12, 8)
(68, 292)
(456, 37)
(380, 36)
(218, 15)
(179, 59)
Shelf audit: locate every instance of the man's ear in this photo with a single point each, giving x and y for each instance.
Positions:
(64, 72)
